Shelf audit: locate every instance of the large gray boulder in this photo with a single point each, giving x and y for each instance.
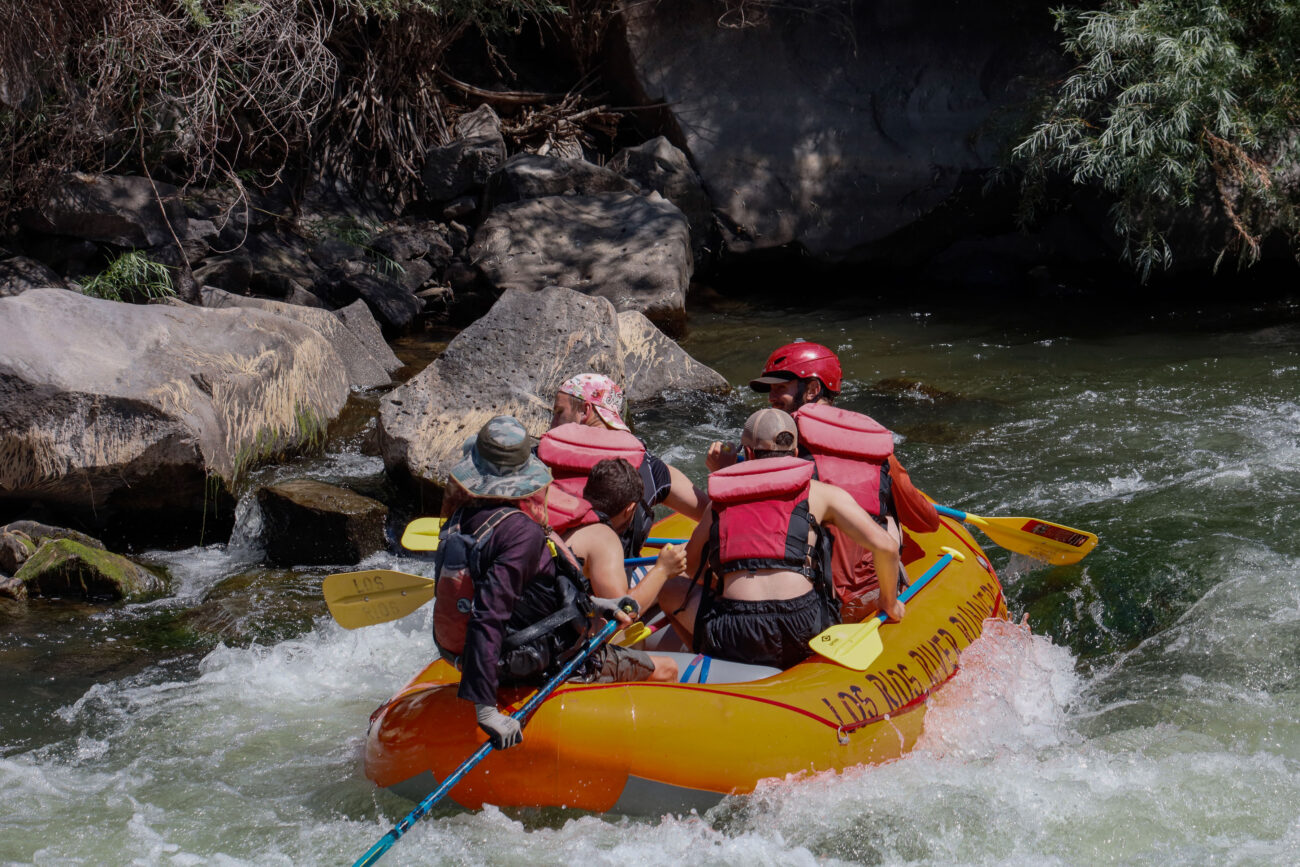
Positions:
(836, 127)
(633, 250)
(368, 359)
(654, 364)
(125, 211)
(659, 166)
(105, 405)
(511, 362)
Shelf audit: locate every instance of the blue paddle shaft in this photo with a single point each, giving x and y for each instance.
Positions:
(386, 842)
(950, 513)
(939, 566)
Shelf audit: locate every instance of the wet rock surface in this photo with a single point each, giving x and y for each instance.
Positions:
(67, 568)
(106, 406)
(308, 522)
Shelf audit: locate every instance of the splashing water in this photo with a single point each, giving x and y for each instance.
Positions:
(1150, 715)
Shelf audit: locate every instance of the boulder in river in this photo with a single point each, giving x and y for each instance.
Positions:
(653, 363)
(368, 359)
(510, 362)
(40, 533)
(113, 410)
(306, 522)
(633, 250)
(67, 568)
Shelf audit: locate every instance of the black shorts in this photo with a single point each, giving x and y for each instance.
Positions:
(771, 632)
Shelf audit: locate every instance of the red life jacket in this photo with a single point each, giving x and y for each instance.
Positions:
(761, 518)
(564, 511)
(572, 449)
(851, 451)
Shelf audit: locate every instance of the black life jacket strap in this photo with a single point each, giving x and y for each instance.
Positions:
(571, 587)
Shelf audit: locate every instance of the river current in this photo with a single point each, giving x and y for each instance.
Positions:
(1142, 708)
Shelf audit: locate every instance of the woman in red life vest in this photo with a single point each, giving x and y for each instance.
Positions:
(850, 450)
(766, 591)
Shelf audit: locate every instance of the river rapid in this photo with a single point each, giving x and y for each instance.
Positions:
(1147, 713)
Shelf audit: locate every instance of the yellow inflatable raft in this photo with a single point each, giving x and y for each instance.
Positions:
(646, 748)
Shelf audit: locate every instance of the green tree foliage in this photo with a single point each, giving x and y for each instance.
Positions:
(1175, 103)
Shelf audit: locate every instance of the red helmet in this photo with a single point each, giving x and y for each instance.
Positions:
(802, 360)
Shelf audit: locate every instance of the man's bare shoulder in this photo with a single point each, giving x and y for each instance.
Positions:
(590, 537)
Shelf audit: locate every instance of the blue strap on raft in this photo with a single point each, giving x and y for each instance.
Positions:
(703, 662)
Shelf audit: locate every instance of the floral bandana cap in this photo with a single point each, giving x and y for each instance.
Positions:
(602, 393)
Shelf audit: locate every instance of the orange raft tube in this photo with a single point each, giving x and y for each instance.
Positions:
(653, 748)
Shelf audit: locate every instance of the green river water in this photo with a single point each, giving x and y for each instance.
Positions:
(1148, 713)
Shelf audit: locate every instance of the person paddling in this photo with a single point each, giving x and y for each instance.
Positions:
(762, 556)
(512, 604)
(590, 526)
(850, 450)
(586, 427)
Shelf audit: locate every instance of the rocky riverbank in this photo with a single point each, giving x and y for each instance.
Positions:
(849, 138)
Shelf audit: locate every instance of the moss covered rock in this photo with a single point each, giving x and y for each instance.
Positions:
(65, 567)
(15, 549)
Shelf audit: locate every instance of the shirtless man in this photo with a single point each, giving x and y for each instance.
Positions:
(613, 490)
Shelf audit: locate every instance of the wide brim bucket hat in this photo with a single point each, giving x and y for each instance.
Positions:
(499, 463)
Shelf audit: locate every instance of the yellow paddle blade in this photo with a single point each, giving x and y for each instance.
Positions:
(636, 632)
(422, 534)
(852, 645)
(357, 599)
(1052, 543)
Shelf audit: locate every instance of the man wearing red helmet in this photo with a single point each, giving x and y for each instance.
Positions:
(852, 451)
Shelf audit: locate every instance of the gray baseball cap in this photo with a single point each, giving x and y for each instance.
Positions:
(765, 427)
(499, 463)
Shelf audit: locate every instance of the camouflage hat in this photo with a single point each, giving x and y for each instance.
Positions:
(499, 463)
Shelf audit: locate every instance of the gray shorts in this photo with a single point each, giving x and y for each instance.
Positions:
(613, 664)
